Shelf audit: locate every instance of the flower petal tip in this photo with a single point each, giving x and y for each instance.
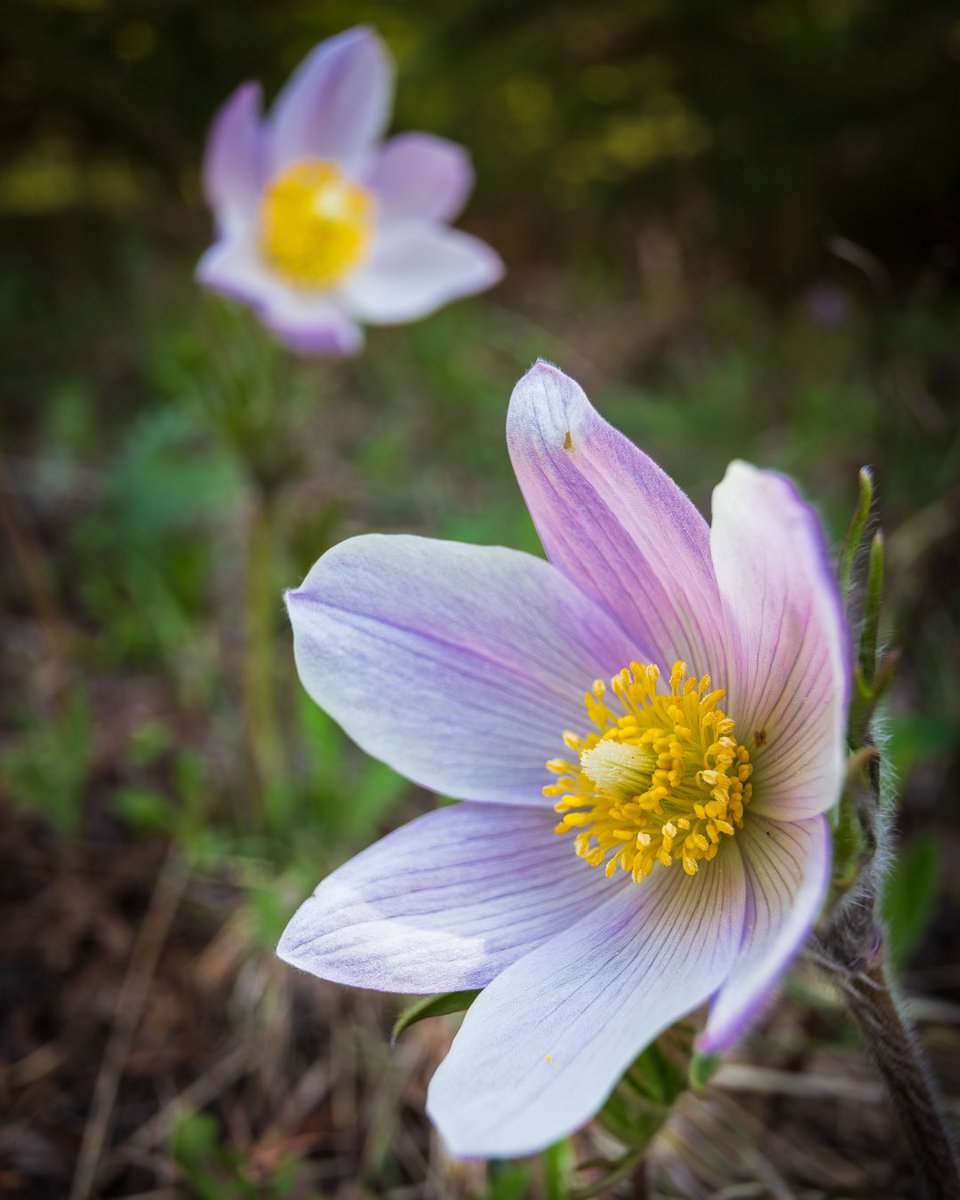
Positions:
(293, 598)
(296, 935)
(548, 407)
(493, 266)
(545, 372)
(720, 1037)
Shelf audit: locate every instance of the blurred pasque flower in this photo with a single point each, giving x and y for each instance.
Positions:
(477, 672)
(320, 224)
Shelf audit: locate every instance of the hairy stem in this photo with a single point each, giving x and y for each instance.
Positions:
(851, 950)
(895, 1048)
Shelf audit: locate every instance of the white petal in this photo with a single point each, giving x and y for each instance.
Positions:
(460, 666)
(789, 692)
(542, 1047)
(787, 870)
(415, 267)
(445, 903)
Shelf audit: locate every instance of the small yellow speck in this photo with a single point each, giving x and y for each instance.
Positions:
(568, 440)
(549, 1058)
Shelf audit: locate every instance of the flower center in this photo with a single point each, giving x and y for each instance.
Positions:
(315, 224)
(662, 781)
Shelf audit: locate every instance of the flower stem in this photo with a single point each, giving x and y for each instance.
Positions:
(893, 1044)
(851, 951)
(260, 598)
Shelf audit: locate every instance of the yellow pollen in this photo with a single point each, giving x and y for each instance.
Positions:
(661, 780)
(315, 225)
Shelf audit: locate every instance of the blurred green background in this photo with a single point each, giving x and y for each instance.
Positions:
(737, 224)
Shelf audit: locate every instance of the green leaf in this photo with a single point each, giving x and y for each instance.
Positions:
(655, 1078)
(509, 1183)
(432, 1006)
(556, 1164)
(614, 1171)
(848, 842)
(871, 614)
(911, 896)
(145, 809)
(703, 1067)
(858, 524)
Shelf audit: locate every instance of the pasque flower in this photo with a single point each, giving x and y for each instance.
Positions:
(676, 692)
(320, 224)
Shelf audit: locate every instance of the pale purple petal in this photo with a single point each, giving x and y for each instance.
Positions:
(419, 175)
(445, 903)
(312, 323)
(234, 268)
(790, 690)
(787, 866)
(308, 322)
(233, 162)
(544, 1044)
(335, 105)
(415, 267)
(615, 524)
(460, 666)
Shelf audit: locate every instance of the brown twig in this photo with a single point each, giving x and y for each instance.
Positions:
(130, 1004)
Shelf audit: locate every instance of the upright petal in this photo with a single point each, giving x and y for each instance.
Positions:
(787, 872)
(790, 689)
(335, 105)
(460, 666)
(542, 1047)
(419, 175)
(415, 267)
(233, 163)
(444, 903)
(615, 524)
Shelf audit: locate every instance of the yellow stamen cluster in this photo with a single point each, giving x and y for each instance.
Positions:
(662, 781)
(315, 225)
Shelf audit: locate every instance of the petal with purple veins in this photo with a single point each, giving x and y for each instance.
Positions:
(416, 266)
(542, 1047)
(460, 666)
(789, 691)
(444, 903)
(787, 866)
(615, 524)
(419, 175)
